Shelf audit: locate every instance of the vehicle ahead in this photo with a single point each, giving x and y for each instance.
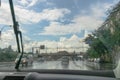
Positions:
(65, 62)
(26, 60)
(41, 59)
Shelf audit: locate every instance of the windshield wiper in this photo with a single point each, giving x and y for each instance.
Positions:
(18, 35)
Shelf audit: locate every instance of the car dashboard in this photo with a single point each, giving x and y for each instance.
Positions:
(53, 75)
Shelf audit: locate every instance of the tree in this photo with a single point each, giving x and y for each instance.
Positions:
(107, 41)
(7, 54)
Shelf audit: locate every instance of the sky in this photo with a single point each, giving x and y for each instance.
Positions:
(54, 23)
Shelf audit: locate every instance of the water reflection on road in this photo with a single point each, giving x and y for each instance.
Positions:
(58, 65)
(73, 65)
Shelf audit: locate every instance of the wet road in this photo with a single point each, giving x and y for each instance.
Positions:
(73, 65)
(58, 65)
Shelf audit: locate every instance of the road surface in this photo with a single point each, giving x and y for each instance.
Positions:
(73, 65)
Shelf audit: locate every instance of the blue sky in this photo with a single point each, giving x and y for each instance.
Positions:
(74, 7)
(53, 20)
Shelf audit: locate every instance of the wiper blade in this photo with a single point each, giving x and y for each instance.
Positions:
(18, 34)
(22, 51)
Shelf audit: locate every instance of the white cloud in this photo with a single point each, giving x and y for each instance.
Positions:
(74, 38)
(26, 16)
(7, 38)
(52, 14)
(29, 3)
(56, 28)
(73, 41)
(64, 43)
(80, 22)
(33, 2)
(5, 14)
(91, 20)
(23, 2)
(63, 39)
(8, 35)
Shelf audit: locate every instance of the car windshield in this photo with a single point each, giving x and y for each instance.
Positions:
(61, 34)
